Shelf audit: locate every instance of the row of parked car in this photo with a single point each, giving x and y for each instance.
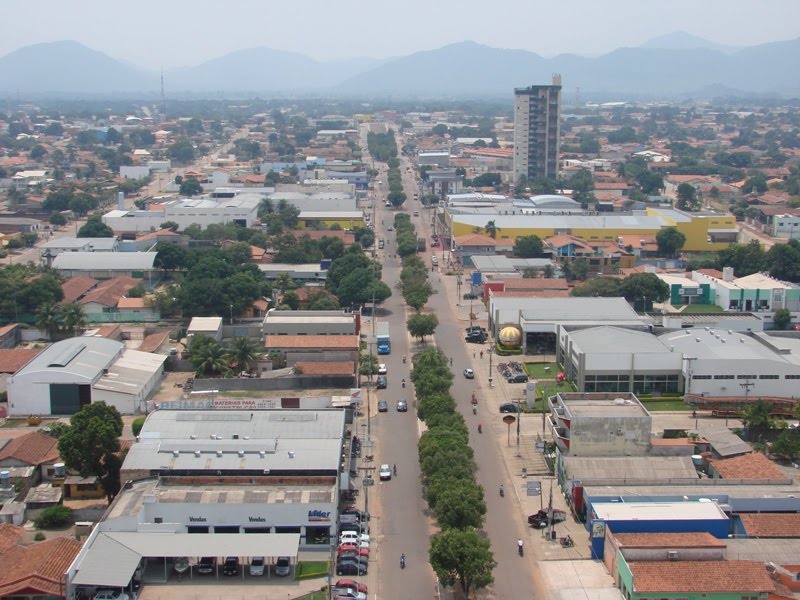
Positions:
(352, 554)
(208, 565)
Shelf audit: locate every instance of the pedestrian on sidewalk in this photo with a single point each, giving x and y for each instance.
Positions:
(481, 353)
(473, 354)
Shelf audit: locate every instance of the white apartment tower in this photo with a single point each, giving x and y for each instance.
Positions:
(537, 130)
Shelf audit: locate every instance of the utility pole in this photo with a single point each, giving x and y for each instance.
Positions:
(490, 367)
(746, 386)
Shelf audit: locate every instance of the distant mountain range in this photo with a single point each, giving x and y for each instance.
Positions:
(675, 65)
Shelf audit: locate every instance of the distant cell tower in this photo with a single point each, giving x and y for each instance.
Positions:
(163, 98)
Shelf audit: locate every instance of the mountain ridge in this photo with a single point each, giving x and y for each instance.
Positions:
(456, 70)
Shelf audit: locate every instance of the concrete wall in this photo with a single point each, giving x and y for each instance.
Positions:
(610, 436)
(299, 382)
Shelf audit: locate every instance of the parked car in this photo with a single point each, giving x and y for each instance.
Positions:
(476, 337)
(469, 373)
(416, 213)
(351, 568)
(382, 369)
(207, 565)
(111, 595)
(257, 566)
(382, 382)
(231, 566)
(350, 584)
(518, 378)
(362, 516)
(380, 244)
(434, 260)
(478, 328)
(510, 407)
(434, 243)
(353, 527)
(469, 295)
(283, 566)
(348, 594)
(181, 565)
(383, 406)
(402, 406)
(351, 537)
(385, 473)
(543, 517)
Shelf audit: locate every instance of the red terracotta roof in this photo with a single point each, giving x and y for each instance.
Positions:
(327, 368)
(748, 466)
(6, 328)
(33, 448)
(771, 525)
(700, 577)
(9, 536)
(475, 239)
(668, 540)
(544, 283)
(38, 569)
(130, 303)
(75, 287)
(711, 273)
(153, 342)
(531, 294)
(11, 360)
(321, 342)
(109, 292)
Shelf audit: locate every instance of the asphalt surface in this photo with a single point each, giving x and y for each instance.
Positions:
(402, 521)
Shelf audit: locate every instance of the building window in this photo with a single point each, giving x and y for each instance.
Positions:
(769, 376)
(791, 376)
(724, 376)
(701, 376)
(746, 377)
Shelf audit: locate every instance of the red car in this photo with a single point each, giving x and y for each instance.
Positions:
(351, 584)
(352, 548)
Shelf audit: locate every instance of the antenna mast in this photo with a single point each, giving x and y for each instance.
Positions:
(163, 97)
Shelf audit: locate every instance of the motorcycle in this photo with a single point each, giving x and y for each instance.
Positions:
(402, 561)
(404, 383)
(404, 359)
(502, 491)
(566, 542)
(474, 410)
(480, 429)
(520, 548)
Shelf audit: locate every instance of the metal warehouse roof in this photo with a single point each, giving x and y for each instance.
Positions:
(616, 339)
(630, 469)
(82, 356)
(664, 511)
(114, 556)
(105, 261)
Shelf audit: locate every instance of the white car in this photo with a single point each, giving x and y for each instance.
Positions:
(434, 260)
(257, 566)
(385, 472)
(111, 595)
(382, 369)
(351, 537)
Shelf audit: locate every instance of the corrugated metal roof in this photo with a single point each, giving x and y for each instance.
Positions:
(83, 357)
(100, 261)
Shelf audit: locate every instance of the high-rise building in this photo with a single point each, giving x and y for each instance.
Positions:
(536, 130)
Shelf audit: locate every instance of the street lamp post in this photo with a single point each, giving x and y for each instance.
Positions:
(490, 367)
(231, 314)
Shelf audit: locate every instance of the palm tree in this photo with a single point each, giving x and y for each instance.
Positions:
(491, 229)
(243, 353)
(211, 360)
(73, 317)
(48, 319)
(284, 282)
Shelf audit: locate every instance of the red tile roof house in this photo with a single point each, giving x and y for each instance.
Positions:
(748, 467)
(314, 348)
(35, 571)
(33, 449)
(695, 580)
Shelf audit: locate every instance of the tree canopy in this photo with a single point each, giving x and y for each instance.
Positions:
(670, 241)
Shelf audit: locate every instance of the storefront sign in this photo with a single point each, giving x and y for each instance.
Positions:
(197, 519)
(319, 515)
(246, 403)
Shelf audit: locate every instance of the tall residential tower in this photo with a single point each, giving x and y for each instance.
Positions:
(536, 130)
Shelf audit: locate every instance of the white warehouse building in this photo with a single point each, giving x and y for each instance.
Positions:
(72, 373)
(240, 210)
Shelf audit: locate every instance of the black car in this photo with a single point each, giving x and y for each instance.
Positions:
(510, 408)
(350, 568)
(354, 512)
(518, 378)
(206, 565)
(474, 328)
(383, 406)
(231, 566)
(476, 337)
(382, 382)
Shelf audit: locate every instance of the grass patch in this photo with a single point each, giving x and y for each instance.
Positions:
(673, 405)
(538, 370)
(322, 595)
(701, 308)
(312, 569)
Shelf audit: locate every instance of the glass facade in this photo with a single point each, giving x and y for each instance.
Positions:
(642, 384)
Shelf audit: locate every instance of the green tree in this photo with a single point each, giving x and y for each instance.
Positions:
(190, 187)
(94, 227)
(243, 353)
(290, 301)
(73, 317)
(491, 229)
(644, 288)
(207, 356)
(757, 184)
(787, 445)
(91, 441)
(782, 318)
(421, 325)
(464, 556)
(670, 241)
(756, 417)
(38, 152)
(397, 198)
(48, 319)
(687, 197)
(171, 256)
(181, 151)
(744, 259)
(460, 506)
(57, 219)
(605, 287)
(528, 246)
(136, 425)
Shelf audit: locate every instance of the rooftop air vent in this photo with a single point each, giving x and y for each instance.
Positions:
(241, 453)
(219, 453)
(291, 453)
(175, 453)
(193, 437)
(197, 453)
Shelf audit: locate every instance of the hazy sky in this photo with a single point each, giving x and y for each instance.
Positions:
(171, 33)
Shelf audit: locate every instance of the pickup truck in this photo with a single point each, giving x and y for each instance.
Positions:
(542, 518)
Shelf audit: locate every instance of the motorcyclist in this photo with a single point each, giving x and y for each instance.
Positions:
(480, 429)
(404, 382)
(402, 561)
(519, 546)
(395, 469)
(404, 358)
(502, 490)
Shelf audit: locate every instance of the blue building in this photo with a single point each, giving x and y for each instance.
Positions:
(652, 517)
